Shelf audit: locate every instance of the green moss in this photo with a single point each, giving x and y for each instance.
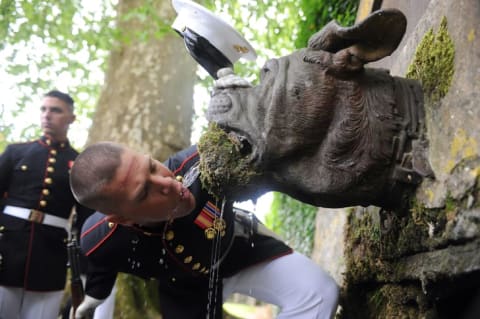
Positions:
(403, 302)
(377, 300)
(375, 240)
(363, 246)
(386, 301)
(433, 64)
(221, 162)
(450, 206)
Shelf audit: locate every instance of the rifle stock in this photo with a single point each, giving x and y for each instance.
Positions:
(76, 284)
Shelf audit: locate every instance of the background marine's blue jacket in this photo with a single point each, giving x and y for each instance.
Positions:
(35, 175)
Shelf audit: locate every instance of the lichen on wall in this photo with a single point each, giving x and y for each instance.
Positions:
(433, 63)
(462, 146)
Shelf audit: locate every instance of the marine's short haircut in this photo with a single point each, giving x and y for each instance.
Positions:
(62, 96)
(93, 169)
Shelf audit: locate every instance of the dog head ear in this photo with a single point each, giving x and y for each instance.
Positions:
(369, 40)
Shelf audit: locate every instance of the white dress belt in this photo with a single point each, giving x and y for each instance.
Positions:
(37, 216)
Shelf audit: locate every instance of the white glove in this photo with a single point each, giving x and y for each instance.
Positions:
(86, 308)
(228, 79)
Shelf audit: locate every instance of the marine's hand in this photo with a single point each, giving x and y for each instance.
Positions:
(228, 79)
(86, 309)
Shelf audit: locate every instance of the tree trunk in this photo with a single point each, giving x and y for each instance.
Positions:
(147, 99)
(146, 103)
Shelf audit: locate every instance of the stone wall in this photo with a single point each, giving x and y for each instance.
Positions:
(423, 262)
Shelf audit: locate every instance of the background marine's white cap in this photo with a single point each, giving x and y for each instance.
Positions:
(192, 16)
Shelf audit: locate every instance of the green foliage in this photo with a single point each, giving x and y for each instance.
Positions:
(53, 44)
(150, 24)
(268, 23)
(7, 15)
(294, 221)
(319, 13)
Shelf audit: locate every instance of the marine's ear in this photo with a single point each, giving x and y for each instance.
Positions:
(113, 218)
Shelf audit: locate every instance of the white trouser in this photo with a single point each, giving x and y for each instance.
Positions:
(106, 308)
(17, 303)
(298, 286)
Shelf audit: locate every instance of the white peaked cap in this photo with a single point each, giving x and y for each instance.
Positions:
(219, 33)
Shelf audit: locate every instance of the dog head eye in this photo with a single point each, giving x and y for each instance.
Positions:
(267, 68)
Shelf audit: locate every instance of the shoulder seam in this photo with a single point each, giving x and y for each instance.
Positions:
(185, 161)
(100, 243)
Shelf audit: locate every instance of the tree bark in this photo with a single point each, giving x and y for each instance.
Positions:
(147, 98)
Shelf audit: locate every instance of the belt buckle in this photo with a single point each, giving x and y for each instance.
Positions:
(36, 216)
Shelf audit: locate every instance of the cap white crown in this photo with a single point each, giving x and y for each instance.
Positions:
(219, 33)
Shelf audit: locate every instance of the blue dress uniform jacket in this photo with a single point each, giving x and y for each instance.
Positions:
(177, 253)
(35, 176)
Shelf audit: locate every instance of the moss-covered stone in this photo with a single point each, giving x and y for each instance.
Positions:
(387, 301)
(377, 243)
(433, 64)
(375, 239)
(221, 162)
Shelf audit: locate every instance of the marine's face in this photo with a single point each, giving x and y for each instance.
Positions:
(55, 117)
(144, 191)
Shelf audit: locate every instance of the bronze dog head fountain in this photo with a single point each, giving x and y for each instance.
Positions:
(323, 128)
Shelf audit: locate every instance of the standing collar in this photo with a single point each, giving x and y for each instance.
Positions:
(52, 143)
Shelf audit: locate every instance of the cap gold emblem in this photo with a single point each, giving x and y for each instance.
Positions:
(240, 48)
